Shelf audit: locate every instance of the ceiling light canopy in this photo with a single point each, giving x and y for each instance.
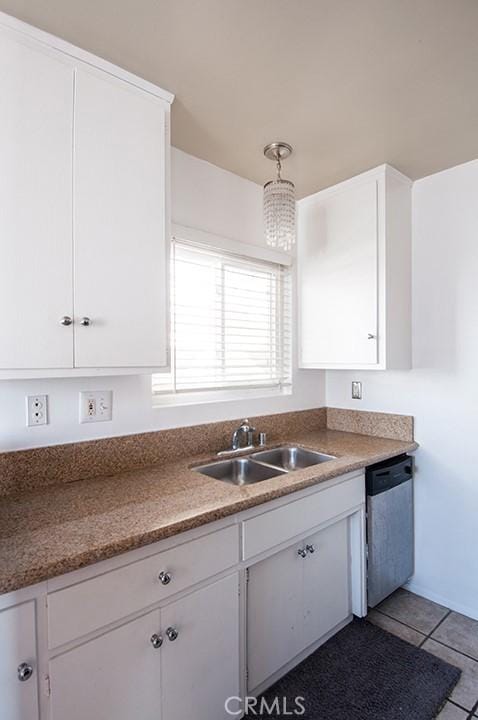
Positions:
(279, 202)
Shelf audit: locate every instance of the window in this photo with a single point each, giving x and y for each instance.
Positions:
(230, 322)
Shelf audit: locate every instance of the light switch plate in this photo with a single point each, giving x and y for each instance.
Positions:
(356, 390)
(96, 406)
(37, 410)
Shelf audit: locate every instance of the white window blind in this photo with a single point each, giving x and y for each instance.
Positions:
(230, 322)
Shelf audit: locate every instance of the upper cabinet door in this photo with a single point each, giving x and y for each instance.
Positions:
(120, 224)
(354, 273)
(36, 121)
(338, 277)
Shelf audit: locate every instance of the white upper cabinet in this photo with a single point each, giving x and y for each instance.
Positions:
(354, 273)
(36, 121)
(84, 261)
(120, 253)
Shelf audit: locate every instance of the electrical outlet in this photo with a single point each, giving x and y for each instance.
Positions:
(96, 406)
(356, 390)
(37, 410)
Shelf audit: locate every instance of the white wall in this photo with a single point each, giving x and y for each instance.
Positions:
(205, 197)
(442, 389)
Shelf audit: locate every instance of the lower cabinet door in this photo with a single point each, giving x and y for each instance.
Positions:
(294, 598)
(113, 677)
(327, 599)
(274, 613)
(200, 655)
(18, 670)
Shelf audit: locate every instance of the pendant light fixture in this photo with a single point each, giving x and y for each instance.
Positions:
(279, 202)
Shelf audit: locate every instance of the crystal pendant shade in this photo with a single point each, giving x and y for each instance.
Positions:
(279, 202)
(279, 214)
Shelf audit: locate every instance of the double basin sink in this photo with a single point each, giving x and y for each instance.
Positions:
(263, 465)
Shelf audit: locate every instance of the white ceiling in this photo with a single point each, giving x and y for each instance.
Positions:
(349, 83)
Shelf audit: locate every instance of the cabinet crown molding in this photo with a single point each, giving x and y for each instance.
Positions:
(40, 36)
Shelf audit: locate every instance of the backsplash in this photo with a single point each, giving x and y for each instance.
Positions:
(23, 470)
(378, 424)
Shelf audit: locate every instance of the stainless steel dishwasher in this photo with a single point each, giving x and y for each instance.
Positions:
(390, 536)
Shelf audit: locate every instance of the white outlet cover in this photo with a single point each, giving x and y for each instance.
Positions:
(356, 390)
(96, 406)
(37, 410)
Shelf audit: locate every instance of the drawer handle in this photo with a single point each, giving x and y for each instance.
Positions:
(302, 552)
(156, 641)
(311, 548)
(85, 321)
(24, 671)
(164, 577)
(172, 633)
(65, 320)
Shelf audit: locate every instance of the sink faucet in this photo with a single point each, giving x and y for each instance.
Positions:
(246, 430)
(243, 429)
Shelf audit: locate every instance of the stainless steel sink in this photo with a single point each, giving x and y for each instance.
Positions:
(292, 458)
(263, 465)
(240, 471)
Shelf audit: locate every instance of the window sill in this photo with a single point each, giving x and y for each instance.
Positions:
(218, 396)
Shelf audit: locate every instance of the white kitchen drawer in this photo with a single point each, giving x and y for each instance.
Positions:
(79, 609)
(274, 527)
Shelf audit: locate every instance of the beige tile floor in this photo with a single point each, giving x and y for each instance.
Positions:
(447, 634)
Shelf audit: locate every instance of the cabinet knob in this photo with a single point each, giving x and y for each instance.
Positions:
(66, 320)
(24, 671)
(85, 321)
(371, 336)
(302, 552)
(164, 577)
(172, 633)
(310, 548)
(156, 641)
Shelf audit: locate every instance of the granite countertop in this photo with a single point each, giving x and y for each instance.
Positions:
(64, 527)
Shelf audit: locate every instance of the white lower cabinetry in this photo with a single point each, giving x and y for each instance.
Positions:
(327, 598)
(122, 675)
(18, 663)
(294, 598)
(84, 607)
(114, 677)
(171, 631)
(275, 622)
(200, 668)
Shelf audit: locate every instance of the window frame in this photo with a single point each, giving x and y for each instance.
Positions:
(249, 252)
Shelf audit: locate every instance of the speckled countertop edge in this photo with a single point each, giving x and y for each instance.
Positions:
(63, 528)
